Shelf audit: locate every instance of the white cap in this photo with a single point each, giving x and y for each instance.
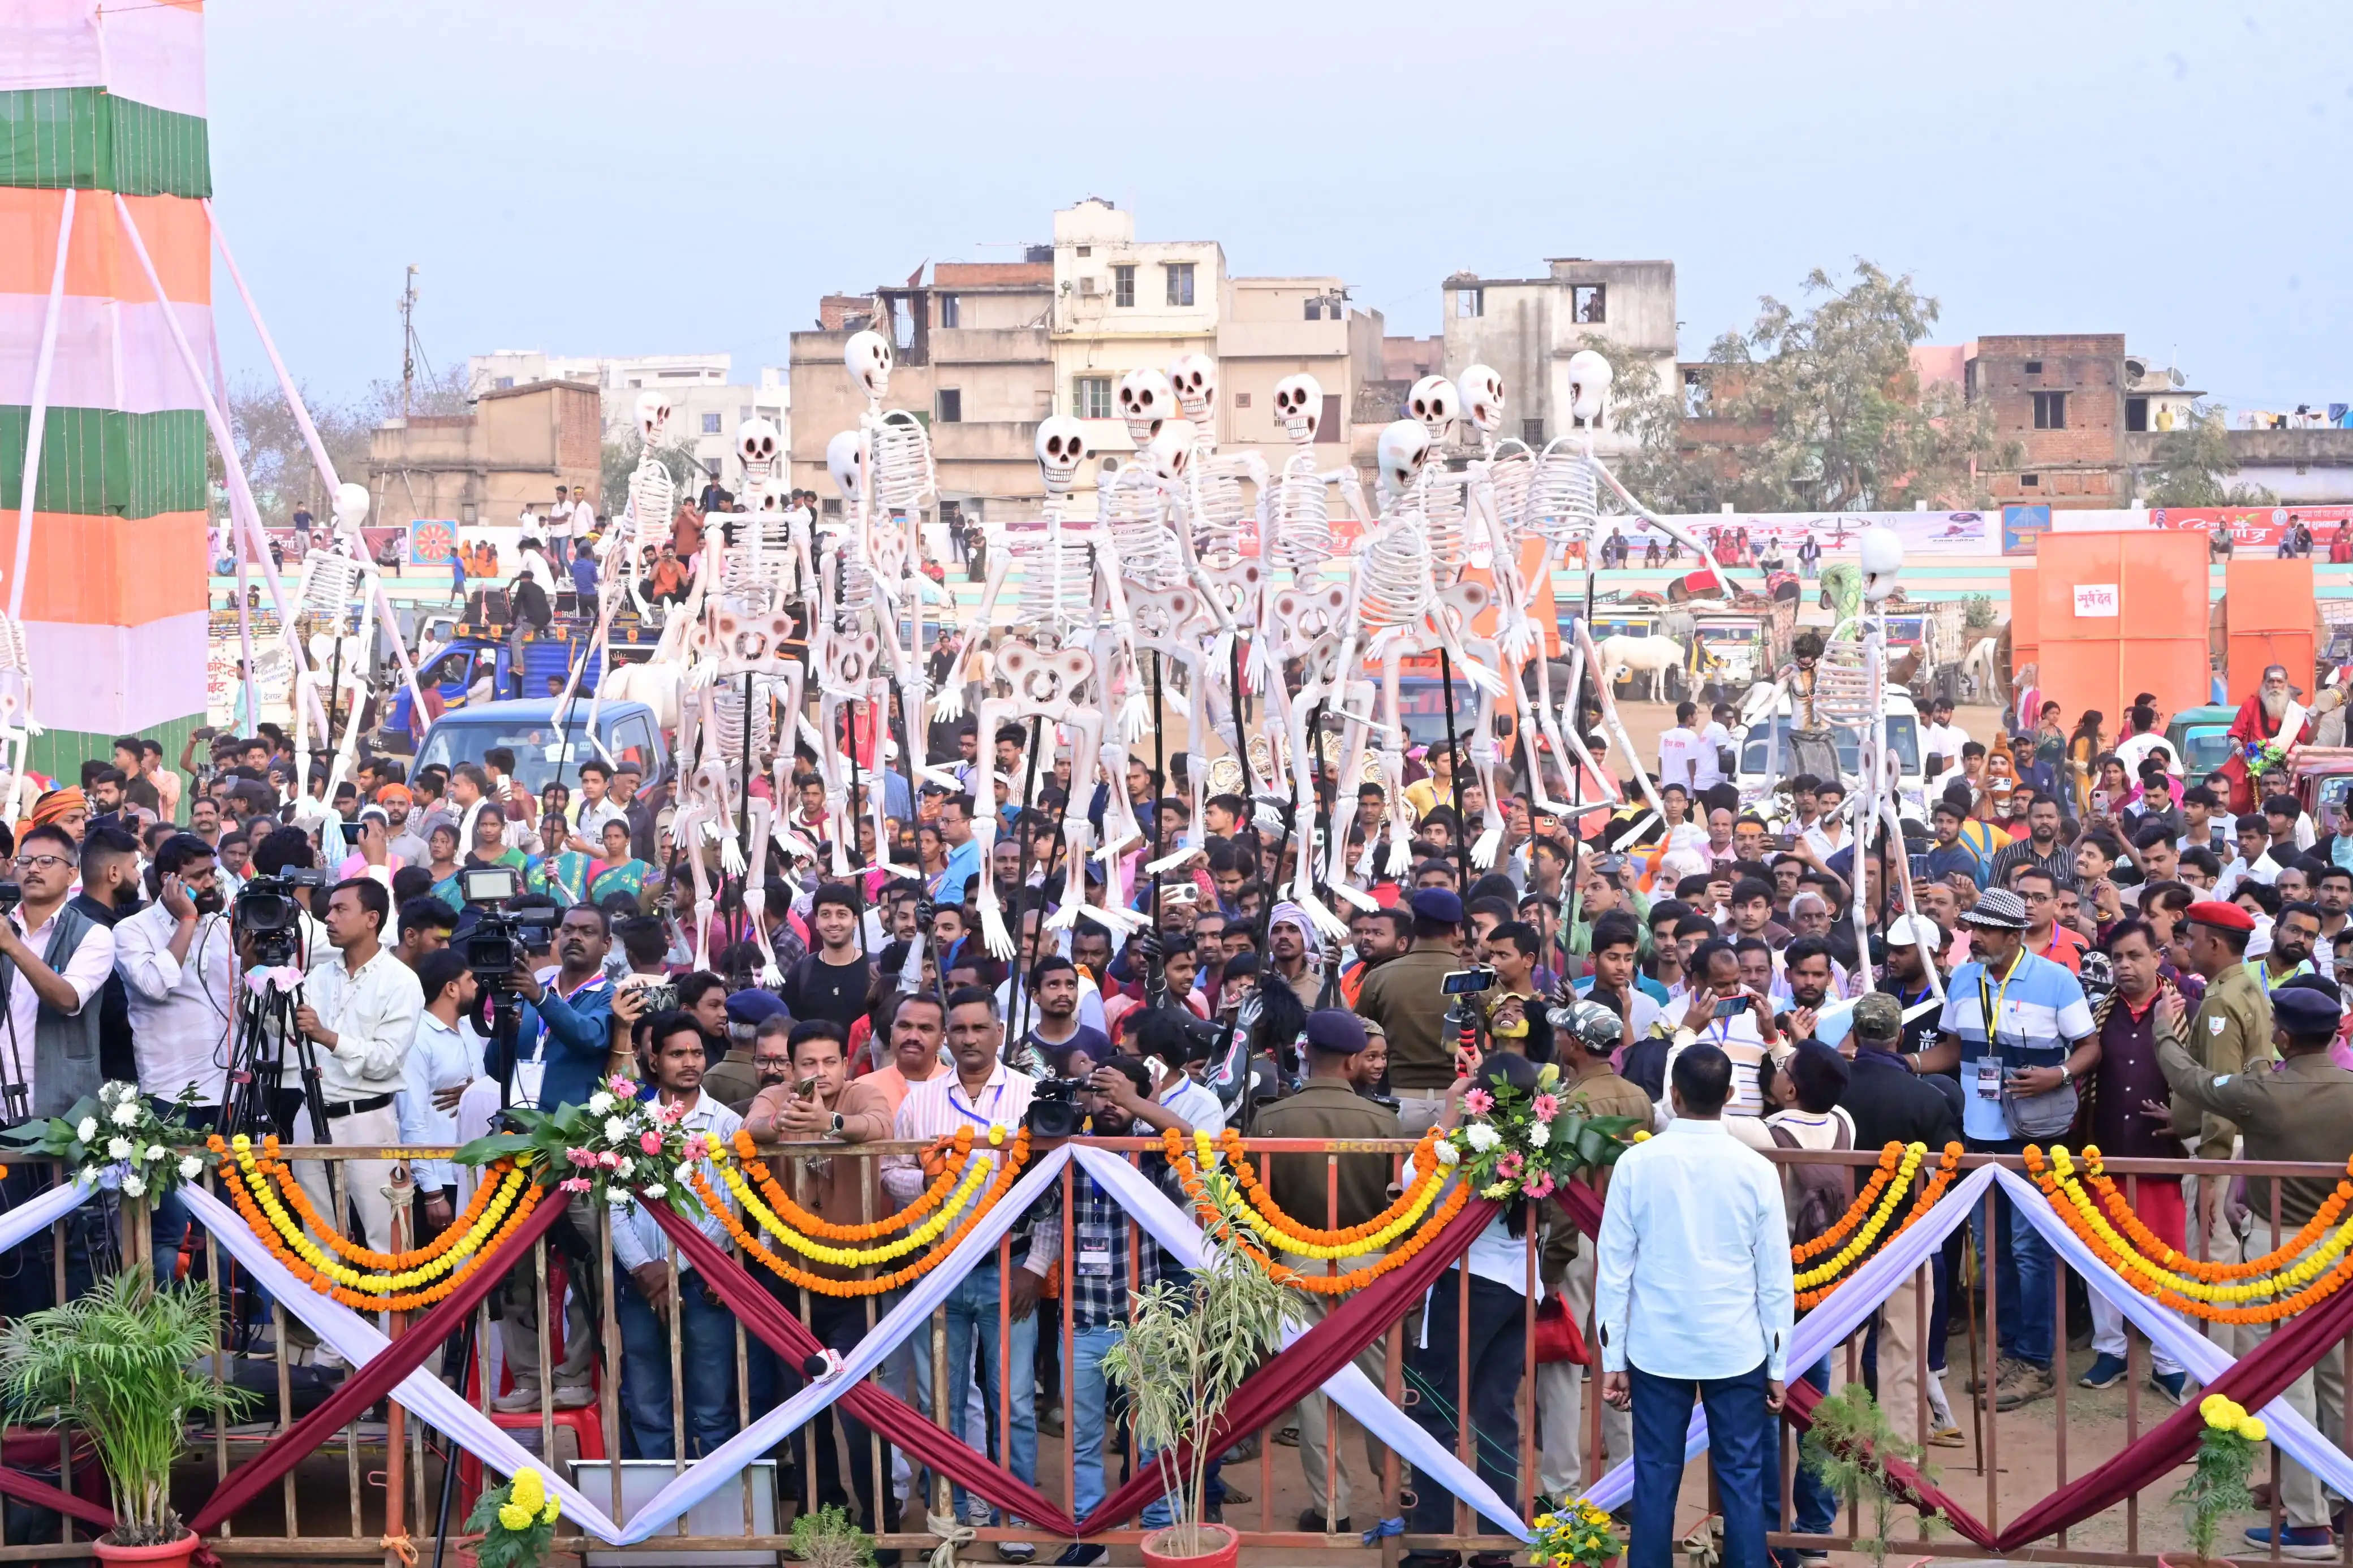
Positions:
(1914, 931)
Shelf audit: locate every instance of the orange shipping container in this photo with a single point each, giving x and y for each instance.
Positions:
(2118, 613)
(2269, 610)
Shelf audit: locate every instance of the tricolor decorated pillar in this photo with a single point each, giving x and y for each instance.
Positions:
(104, 557)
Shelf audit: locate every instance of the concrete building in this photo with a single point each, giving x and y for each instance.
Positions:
(706, 403)
(483, 467)
(2061, 398)
(1122, 304)
(1526, 329)
(972, 360)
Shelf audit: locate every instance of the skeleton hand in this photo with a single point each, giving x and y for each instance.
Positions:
(1134, 718)
(1516, 636)
(731, 855)
(1482, 849)
(993, 934)
(1481, 677)
(770, 975)
(1169, 862)
(1118, 922)
(1303, 893)
(949, 703)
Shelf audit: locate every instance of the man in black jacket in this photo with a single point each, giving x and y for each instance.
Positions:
(1893, 1104)
(109, 893)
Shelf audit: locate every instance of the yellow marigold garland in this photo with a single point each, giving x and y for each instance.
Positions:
(1909, 1162)
(975, 1175)
(779, 1200)
(2151, 1245)
(1306, 1239)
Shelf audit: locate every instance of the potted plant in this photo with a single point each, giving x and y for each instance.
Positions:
(1187, 1347)
(2217, 1486)
(516, 1522)
(115, 1365)
(1848, 1450)
(827, 1539)
(1575, 1535)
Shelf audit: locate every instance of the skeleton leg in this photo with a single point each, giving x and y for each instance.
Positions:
(1482, 760)
(994, 714)
(1393, 759)
(756, 892)
(836, 787)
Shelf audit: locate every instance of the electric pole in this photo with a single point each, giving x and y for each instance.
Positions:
(408, 340)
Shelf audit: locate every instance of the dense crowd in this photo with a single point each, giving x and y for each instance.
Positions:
(2100, 950)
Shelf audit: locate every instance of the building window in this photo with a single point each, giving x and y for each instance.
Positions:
(950, 512)
(711, 424)
(1091, 397)
(830, 507)
(1122, 287)
(2136, 413)
(1315, 309)
(1327, 429)
(1241, 400)
(2031, 481)
(1180, 282)
(2050, 411)
(1469, 302)
(505, 381)
(951, 405)
(1532, 432)
(711, 465)
(951, 310)
(1086, 250)
(1589, 303)
(744, 411)
(2033, 367)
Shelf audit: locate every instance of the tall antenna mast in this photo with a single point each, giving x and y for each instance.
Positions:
(408, 340)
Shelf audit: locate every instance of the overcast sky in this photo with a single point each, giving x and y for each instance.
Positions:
(587, 176)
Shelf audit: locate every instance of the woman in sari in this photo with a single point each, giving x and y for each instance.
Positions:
(562, 873)
(489, 847)
(617, 870)
(442, 845)
(2083, 749)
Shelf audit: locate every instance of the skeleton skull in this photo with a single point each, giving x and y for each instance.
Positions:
(653, 416)
(351, 506)
(1482, 391)
(1404, 448)
(868, 359)
(1170, 451)
(845, 459)
(756, 442)
(1062, 448)
(1195, 378)
(1299, 405)
(1434, 401)
(1588, 387)
(1882, 558)
(1145, 398)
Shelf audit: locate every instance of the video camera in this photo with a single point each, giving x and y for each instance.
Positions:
(268, 915)
(1054, 1111)
(500, 939)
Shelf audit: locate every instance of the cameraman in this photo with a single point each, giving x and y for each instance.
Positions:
(567, 1021)
(57, 961)
(359, 1005)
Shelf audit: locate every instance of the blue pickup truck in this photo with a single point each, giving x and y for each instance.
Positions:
(544, 750)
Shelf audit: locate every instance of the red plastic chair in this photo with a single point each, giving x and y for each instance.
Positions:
(587, 1426)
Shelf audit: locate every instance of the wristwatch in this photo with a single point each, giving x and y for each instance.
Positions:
(836, 1124)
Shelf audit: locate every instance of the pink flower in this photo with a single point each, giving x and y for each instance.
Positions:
(573, 1183)
(672, 1114)
(608, 1160)
(649, 1141)
(622, 1086)
(1478, 1102)
(1539, 1186)
(1508, 1167)
(1547, 1107)
(581, 1157)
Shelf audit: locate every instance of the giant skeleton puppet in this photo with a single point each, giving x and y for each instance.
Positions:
(335, 576)
(652, 506)
(1073, 608)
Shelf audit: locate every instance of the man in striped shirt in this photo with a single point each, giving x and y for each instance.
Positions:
(984, 1093)
(2040, 848)
(2019, 1032)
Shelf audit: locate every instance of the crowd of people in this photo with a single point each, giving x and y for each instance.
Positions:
(1703, 975)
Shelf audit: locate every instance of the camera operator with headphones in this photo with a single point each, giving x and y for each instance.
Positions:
(57, 960)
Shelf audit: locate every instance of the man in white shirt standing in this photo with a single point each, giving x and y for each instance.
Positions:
(559, 526)
(1715, 740)
(177, 960)
(1693, 1301)
(444, 1057)
(642, 1254)
(1679, 748)
(583, 521)
(359, 1010)
(1942, 739)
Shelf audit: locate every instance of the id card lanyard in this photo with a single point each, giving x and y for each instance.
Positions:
(1990, 1003)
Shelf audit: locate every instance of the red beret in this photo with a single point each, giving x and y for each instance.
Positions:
(2224, 916)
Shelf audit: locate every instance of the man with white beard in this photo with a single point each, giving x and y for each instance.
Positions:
(2261, 720)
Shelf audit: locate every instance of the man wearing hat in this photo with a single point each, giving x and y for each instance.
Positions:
(1405, 997)
(2231, 1032)
(1328, 1106)
(2301, 1111)
(736, 1077)
(2019, 1030)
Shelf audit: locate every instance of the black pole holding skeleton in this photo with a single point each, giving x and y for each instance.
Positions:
(1455, 772)
(1020, 1008)
(1160, 783)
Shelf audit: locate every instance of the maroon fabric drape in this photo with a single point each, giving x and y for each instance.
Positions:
(38, 1450)
(900, 1425)
(1581, 1203)
(365, 1385)
(25, 1489)
(1302, 1367)
(1909, 1484)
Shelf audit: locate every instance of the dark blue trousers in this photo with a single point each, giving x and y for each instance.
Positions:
(1739, 1449)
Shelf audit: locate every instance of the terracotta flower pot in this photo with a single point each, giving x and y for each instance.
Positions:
(171, 1554)
(1221, 1557)
(2185, 1560)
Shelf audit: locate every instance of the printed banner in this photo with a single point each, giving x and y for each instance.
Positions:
(2256, 528)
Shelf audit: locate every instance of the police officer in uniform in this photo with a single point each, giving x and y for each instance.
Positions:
(2300, 1109)
(2231, 1031)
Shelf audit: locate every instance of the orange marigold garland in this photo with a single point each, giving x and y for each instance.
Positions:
(1008, 1171)
(1947, 1164)
(1888, 1158)
(944, 1182)
(2112, 1198)
(1230, 1143)
(267, 1162)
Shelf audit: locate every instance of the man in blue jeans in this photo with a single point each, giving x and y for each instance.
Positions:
(2017, 1026)
(642, 1296)
(1693, 1301)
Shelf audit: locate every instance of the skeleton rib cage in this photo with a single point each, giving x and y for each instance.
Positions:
(1564, 497)
(1301, 534)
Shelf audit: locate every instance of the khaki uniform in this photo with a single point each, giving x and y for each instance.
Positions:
(2302, 1112)
(1406, 998)
(2233, 1028)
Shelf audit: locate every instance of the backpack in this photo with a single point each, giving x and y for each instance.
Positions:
(1815, 1195)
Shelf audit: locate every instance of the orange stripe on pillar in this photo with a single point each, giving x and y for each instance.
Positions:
(101, 263)
(112, 571)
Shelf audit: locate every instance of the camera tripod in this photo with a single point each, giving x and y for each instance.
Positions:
(264, 1023)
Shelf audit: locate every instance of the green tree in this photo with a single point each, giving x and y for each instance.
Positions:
(278, 462)
(2190, 464)
(619, 460)
(1830, 413)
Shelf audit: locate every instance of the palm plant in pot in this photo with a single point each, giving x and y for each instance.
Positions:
(1179, 1359)
(115, 1365)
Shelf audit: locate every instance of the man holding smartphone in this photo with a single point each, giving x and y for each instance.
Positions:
(1721, 1012)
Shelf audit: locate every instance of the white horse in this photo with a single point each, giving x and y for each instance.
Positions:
(1978, 670)
(1625, 658)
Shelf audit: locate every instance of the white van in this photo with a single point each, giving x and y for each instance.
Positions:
(1903, 739)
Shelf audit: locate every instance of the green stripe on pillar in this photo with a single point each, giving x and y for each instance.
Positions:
(87, 138)
(60, 753)
(98, 461)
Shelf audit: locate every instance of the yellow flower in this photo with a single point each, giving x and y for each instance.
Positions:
(528, 1490)
(2252, 1429)
(549, 1514)
(515, 1516)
